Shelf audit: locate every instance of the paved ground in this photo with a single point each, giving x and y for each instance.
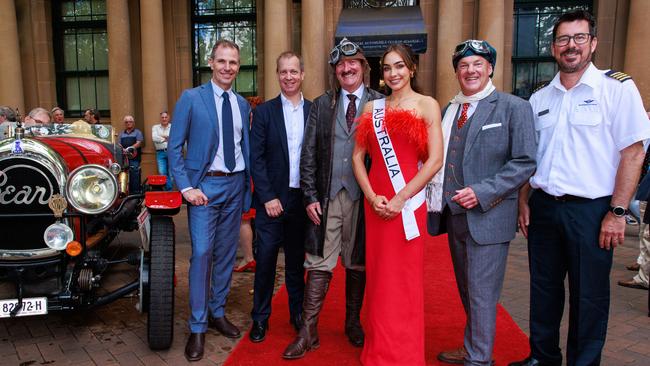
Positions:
(115, 334)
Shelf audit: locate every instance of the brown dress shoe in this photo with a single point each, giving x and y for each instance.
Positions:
(632, 284)
(455, 356)
(194, 347)
(633, 267)
(225, 327)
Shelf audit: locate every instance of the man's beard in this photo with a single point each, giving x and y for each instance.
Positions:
(569, 69)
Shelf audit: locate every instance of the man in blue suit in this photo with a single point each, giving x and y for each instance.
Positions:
(276, 139)
(212, 121)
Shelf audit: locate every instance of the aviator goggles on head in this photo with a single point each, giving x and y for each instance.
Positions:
(345, 48)
(474, 47)
(480, 48)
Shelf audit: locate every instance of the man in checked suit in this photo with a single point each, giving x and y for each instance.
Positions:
(212, 120)
(276, 142)
(490, 143)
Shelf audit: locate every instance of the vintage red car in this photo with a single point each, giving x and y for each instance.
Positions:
(63, 199)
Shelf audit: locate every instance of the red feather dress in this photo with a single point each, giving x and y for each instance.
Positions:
(394, 266)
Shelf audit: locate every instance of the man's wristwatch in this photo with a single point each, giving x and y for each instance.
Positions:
(618, 211)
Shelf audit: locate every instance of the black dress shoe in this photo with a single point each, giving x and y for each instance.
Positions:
(527, 362)
(225, 327)
(258, 331)
(296, 322)
(194, 347)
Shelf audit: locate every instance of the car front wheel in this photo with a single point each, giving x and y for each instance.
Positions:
(160, 321)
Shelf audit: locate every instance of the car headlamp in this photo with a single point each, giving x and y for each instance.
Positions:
(91, 189)
(58, 235)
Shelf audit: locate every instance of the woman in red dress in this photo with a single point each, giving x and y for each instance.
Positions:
(411, 153)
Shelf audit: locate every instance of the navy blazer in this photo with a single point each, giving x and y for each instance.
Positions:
(270, 152)
(195, 126)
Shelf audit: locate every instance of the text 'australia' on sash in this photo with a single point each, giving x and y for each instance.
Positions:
(384, 142)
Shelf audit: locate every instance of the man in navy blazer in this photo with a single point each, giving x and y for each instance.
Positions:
(276, 143)
(212, 122)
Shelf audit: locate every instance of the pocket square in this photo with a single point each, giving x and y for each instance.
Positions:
(493, 125)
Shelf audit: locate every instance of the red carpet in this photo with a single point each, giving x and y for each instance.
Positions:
(444, 317)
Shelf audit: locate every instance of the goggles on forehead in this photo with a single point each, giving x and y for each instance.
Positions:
(346, 48)
(477, 46)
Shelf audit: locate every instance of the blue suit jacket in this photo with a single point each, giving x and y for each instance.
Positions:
(270, 152)
(195, 123)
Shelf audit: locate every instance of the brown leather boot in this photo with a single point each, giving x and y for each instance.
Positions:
(355, 285)
(315, 290)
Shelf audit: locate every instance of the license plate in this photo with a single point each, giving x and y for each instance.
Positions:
(31, 306)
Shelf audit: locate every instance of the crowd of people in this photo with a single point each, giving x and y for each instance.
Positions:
(365, 176)
(561, 168)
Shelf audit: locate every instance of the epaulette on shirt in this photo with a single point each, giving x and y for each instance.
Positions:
(540, 86)
(620, 76)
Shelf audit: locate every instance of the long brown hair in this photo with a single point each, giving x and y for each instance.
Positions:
(410, 60)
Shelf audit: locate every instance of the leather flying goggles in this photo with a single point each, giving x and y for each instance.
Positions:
(477, 46)
(578, 38)
(345, 47)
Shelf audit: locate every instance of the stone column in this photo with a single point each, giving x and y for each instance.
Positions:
(120, 73)
(491, 27)
(314, 48)
(277, 39)
(450, 30)
(154, 77)
(426, 75)
(11, 93)
(637, 52)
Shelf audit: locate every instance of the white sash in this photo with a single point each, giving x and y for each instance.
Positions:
(394, 170)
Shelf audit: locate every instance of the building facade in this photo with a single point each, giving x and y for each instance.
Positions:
(136, 57)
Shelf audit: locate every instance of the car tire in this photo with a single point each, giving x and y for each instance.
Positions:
(160, 320)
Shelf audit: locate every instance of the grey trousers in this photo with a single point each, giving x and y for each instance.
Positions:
(479, 273)
(340, 234)
(644, 246)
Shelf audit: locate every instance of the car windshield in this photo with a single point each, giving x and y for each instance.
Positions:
(76, 129)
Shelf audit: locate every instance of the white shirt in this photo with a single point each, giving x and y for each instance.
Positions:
(346, 100)
(581, 132)
(218, 163)
(294, 124)
(157, 134)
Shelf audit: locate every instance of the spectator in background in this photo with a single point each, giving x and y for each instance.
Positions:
(7, 121)
(159, 136)
(246, 236)
(57, 115)
(132, 139)
(642, 264)
(92, 116)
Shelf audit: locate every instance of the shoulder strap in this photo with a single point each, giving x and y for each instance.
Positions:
(540, 86)
(620, 76)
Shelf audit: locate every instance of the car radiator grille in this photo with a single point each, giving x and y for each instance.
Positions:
(25, 188)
